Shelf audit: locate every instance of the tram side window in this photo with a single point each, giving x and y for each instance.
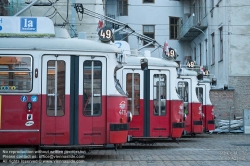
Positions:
(15, 73)
(199, 94)
(133, 90)
(92, 88)
(55, 88)
(183, 90)
(159, 94)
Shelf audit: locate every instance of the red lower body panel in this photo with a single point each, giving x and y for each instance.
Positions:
(18, 126)
(177, 121)
(208, 120)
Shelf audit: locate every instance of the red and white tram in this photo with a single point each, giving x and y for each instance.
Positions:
(202, 91)
(58, 91)
(157, 110)
(186, 83)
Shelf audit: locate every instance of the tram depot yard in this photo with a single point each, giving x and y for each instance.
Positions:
(204, 149)
(62, 98)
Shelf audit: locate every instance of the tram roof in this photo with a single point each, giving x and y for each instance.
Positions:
(152, 61)
(60, 44)
(39, 33)
(205, 80)
(186, 72)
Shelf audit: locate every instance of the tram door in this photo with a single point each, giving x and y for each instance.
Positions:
(147, 100)
(73, 100)
(185, 92)
(201, 95)
(92, 113)
(55, 100)
(159, 114)
(133, 83)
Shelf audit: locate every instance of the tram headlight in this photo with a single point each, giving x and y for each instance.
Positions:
(130, 116)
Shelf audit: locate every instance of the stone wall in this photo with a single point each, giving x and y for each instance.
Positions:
(222, 101)
(237, 96)
(241, 85)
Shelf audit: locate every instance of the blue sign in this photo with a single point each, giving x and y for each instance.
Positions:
(1, 28)
(24, 98)
(33, 98)
(119, 44)
(28, 24)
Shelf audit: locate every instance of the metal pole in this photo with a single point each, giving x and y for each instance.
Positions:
(27, 7)
(230, 119)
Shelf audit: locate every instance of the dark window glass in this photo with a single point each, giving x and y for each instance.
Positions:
(92, 88)
(149, 30)
(56, 88)
(15, 73)
(123, 7)
(159, 94)
(173, 23)
(133, 90)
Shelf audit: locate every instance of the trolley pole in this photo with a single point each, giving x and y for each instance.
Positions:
(24, 9)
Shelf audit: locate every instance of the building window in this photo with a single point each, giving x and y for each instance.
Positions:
(148, 1)
(123, 7)
(173, 27)
(213, 49)
(221, 44)
(149, 30)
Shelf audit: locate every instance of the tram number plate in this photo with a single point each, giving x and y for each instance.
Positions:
(105, 34)
(122, 112)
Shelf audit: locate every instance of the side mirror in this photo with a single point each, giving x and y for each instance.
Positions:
(214, 81)
(119, 66)
(130, 116)
(144, 64)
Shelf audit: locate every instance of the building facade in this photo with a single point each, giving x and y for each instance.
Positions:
(64, 13)
(223, 48)
(213, 33)
(3, 6)
(148, 17)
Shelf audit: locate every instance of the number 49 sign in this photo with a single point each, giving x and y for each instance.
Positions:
(105, 34)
